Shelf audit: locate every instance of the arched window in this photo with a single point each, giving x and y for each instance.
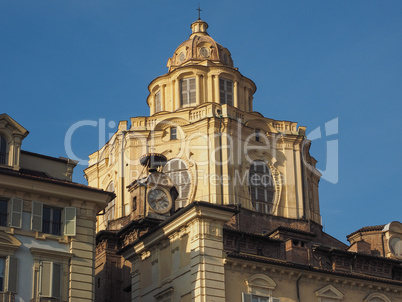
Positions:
(3, 151)
(158, 103)
(177, 170)
(377, 297)
(261, 186)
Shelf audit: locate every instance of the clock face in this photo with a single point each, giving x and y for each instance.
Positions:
(395, 245)
(159, 200)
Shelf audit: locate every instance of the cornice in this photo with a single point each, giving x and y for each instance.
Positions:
(50, 188)
(195, 210)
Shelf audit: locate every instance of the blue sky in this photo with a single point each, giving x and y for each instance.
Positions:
(312, 61)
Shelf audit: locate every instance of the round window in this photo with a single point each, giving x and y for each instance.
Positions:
(204, 52)
(395, 244)
(182, 57)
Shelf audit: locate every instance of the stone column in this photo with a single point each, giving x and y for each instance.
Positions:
(198, 89)
(246, 99)
(16, 152)
(216, 87)
(207, 265)
(177, 95)
(163, 104)
(235, 96)
(152, 105)
(209, 89)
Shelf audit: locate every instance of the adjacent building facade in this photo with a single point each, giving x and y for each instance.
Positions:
(47, 224)
(215, 202)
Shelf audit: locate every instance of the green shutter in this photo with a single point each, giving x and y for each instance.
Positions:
(50, 278)
(56, 281)
(246, 297)
(70, 217)
(36, 216)
(11, 284)
(45, 272)
(16, 213)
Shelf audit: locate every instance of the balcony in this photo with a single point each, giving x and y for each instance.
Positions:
(44, 299)
(7, 297)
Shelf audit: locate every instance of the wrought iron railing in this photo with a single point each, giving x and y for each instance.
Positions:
(7, 297)
(3, 158)
(45, 299)
(3, 219)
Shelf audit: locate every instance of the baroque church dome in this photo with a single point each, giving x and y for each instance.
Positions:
(201, 49)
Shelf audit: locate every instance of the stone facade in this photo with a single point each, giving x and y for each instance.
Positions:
(245, 223)
(47, 225)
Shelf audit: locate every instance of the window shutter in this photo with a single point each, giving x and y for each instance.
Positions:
(70, 217)
(11, 282)
(276, 299)
(184, 92)
(16, 213)
(158, 106)
(246, 297)
(36, 216)
(45, 272)
(56, 280)
(192, 92)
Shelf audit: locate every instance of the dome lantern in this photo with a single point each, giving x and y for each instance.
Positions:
(199, 28)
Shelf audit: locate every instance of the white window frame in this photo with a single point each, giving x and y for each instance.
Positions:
(52, 209)
(49, 255)
(68, 223)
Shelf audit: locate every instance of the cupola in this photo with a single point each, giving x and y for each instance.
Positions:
(199, 48)
(200, 71)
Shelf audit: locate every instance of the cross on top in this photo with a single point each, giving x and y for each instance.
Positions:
(199, 12)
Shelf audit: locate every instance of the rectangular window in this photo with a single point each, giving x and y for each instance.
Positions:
(258, 298)
(257, 135)
(51, 221)
(3, 212)
(173, 133)
(158, 105)
(188, 91)
(226, 91)
(3, 151)
(2, 271)
(8, 274)
(50, 279)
